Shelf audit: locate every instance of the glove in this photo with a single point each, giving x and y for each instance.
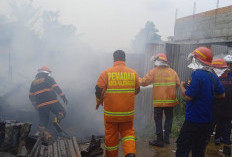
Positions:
(64, 99)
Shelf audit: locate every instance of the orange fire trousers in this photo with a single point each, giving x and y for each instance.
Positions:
(127, 132)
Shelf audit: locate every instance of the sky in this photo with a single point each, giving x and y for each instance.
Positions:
(107, 25)
(103, 25)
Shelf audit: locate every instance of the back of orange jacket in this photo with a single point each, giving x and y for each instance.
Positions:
(118, 86)
(165, 82)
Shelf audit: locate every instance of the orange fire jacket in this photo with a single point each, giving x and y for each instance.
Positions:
(119, 85)
(165, 83)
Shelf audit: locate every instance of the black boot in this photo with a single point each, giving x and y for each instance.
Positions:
(227, 150)
(130, 155)
(218, 141)
(159, 142)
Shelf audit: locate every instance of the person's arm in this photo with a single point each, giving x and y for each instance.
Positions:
(183, 90)
(32, 96)
(148, 79)
(52, 83)
(100, 89)
(219, 90)
(177, 81)
(137, 85)
(220, 96)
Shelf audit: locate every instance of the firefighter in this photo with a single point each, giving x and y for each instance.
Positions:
(43, 95)
(222, 108)
(220, 68)
(165, 83)
(117, 87)
(204, 85)
(228, 59)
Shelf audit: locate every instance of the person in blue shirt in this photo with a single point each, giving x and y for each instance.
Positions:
(203, 86)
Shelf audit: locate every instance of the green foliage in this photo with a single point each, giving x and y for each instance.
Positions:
(147, 35)
(179, 116)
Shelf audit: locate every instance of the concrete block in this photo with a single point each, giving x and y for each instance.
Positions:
(229, 17)
(212, 25)
(217, 33)
(230, 25)
(187, 35)
(207, 33)
(221, 20)
(230, 38)
(221, 15)
(229, 14)
(230, 31)
(224, 32)
(221, 26)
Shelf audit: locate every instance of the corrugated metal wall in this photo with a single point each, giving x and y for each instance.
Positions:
(177, 57)
(143, 106)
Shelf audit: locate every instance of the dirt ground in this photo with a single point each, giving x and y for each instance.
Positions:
(143, 149)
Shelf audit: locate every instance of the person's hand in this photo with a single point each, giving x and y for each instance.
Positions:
(97, 106)
(182, 83)
(64, 99)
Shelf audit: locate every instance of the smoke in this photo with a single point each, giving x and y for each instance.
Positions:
(31, 38)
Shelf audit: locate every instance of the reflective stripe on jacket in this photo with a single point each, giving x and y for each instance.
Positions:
(43, 91)
(119, 85)
(165, 82)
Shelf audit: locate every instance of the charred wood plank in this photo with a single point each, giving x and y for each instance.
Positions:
(41, 152)
(38, 142)
(67, 148)
(36, 154)
(58, 149)
(50, 151)
(62, 148)
(55, 150)
(71, 148)
(76, 147)
(46, 151)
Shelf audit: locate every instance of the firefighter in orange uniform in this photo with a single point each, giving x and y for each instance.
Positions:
(43, 95)
(117, 87)
(165, 83)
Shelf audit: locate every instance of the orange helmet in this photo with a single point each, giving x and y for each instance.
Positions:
(219, 63)
(161, 57)
(204, 55)
(44, 69)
